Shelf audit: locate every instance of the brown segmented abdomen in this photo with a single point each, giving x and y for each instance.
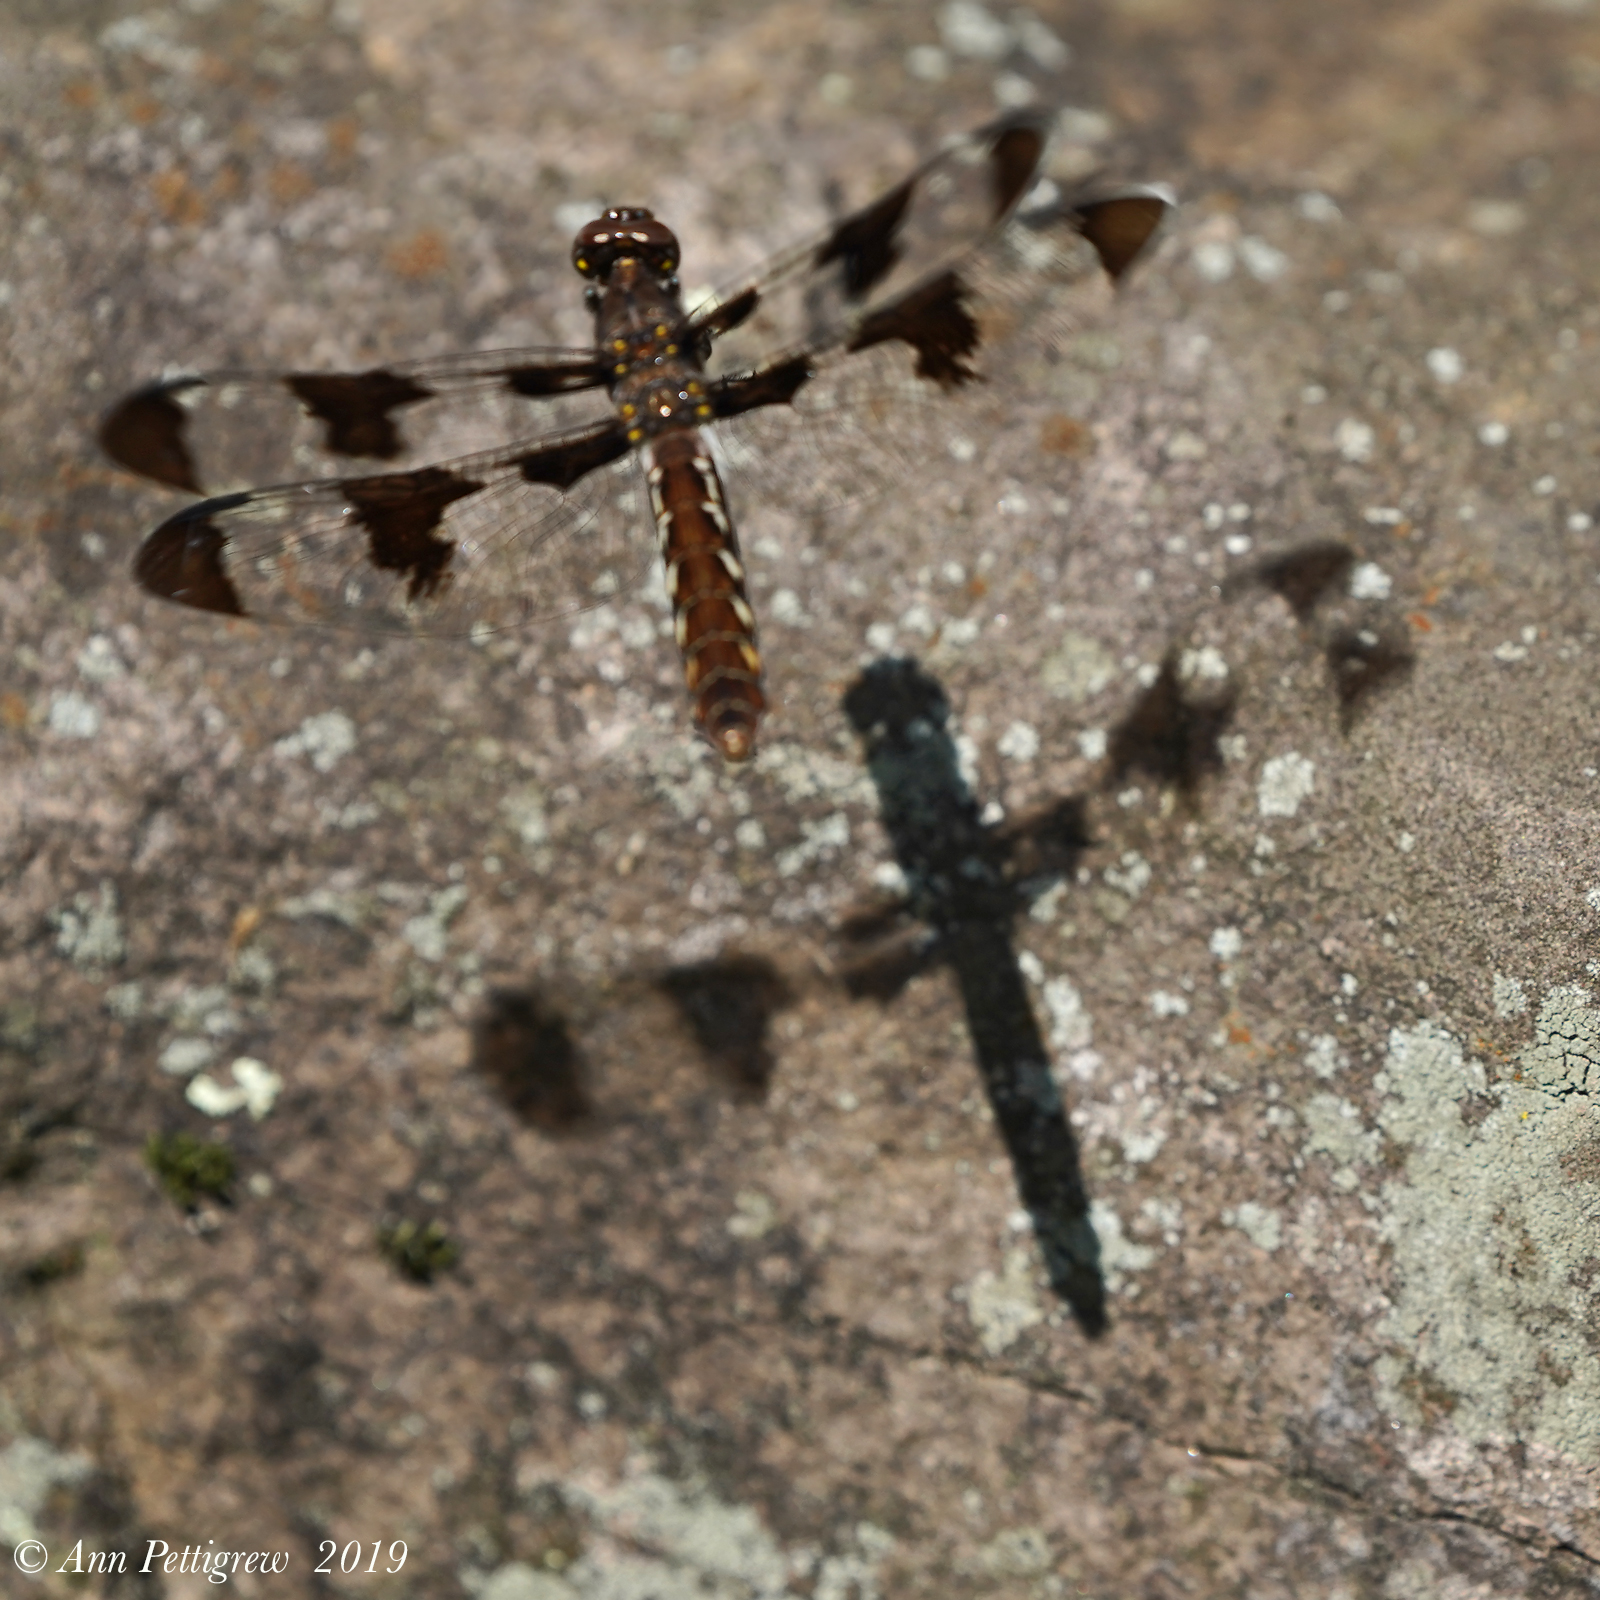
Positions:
(715, 626)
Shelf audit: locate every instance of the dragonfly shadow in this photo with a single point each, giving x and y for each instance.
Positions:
(1364, 660)
(965, 883)
(524, 1046)
(729, 1004)
(1366, 647)
(1171, 736)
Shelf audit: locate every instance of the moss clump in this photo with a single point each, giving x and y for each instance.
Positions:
(417, 1251)
(188, 1167)
(54, 1266)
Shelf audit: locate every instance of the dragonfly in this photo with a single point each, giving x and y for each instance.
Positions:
(818, 377)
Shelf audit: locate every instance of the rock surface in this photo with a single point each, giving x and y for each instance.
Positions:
(1289, 604)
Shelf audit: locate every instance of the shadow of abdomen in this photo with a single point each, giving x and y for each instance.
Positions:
(963, 882)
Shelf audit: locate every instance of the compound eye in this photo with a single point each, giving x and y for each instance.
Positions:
(656, 245)
(624, 232)
(593, 252)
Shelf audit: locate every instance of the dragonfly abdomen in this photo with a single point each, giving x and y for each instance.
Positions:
(715, 627)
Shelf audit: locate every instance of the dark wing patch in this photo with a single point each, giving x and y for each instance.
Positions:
(1014, 163)
(864, 243)
(880, 391)
(934, 320)
(1120, 227)
(402, 513)
(814, 297)
(563, 461)
(182, 560)
(816, 434)
(562, 376)
(144, 432)
(356, 408)
(470, 546)
(726, 315)
(771, 386)
(234, 428)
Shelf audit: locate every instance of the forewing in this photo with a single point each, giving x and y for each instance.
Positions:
(818, 295)
(937, 367)
(475, 545)
(229, 430)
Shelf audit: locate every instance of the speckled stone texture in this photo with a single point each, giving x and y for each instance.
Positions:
(1284, 576)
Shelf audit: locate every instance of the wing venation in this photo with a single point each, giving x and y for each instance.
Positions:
(357, 408)
(845, 365)
(465, 547)
(222, 430)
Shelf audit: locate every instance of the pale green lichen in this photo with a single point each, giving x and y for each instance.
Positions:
(820, 840)
(428, 933)
(1079, 668)
(1070, 1025)
(1285, 781)
(325, 739)
(1003, 1306)
(1335, 1127)
(354, 908)
(29, 1470)
(524, 809)
(1015, 1553)
(1495, 1228)
(1324, 1056)
(89, 931)
(652, 1537)
(1509, 998)
(1261, 1225)
(1119, 1255)
(1139, 1134)
(201, 1010)
(255, 1088)
(705, 1538)
(1564, 1057)
(804, 774)
(516, 1580)
(754, 1216)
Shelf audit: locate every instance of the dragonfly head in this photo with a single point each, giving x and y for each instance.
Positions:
(625, 233)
